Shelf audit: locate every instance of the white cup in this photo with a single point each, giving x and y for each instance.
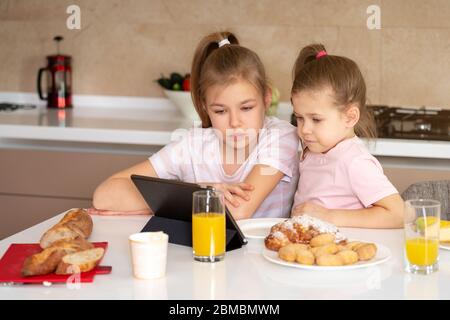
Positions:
(149, 254)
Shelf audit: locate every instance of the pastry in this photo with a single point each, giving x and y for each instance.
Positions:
(366, 251)
(322, 239)
(305, 257)
(329, 260)
(330, 248)
(288, 253)
(300, 229)
(348, 256)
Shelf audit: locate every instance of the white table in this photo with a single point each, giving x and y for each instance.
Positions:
(244, 274)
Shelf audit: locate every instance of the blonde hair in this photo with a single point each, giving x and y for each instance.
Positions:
(314, 70)
(220, 66)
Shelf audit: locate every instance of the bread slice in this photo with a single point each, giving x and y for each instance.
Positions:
(76, 223)
(48, 259)
(82, 261)
(43, 262)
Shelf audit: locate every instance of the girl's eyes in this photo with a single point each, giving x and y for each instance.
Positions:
(314, 119)
(317, 120)
(247, 108)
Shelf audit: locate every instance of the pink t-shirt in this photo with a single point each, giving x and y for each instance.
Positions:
(346, 177)
(195, 157)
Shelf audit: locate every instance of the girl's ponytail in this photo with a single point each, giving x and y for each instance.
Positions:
(206, 46)
(314, 69)
(306, 55)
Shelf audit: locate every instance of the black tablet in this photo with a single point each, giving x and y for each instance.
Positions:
(171, 202)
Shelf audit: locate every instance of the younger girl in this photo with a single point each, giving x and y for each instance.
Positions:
(340, 181)
(251, 158)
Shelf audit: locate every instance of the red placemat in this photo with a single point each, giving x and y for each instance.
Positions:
(12, 262)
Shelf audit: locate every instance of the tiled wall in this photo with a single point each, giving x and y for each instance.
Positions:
(123, 45)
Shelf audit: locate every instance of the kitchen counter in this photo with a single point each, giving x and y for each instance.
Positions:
(244, 274)
(135, 124)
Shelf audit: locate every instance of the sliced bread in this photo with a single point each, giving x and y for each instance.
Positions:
(82, 261)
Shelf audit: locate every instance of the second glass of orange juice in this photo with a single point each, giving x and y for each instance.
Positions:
(422, 218)
(208, 226)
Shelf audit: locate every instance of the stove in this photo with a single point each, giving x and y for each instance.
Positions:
(408, 123)
(8, 107)
(425, 123)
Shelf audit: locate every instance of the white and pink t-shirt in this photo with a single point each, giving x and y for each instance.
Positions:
(346, 177)
(195, 156)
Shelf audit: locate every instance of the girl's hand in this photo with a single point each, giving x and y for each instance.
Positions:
(99, 212)
(313, 210)
(234, 193)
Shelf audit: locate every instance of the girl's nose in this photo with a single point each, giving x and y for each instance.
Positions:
(304, 128)
(235, 121)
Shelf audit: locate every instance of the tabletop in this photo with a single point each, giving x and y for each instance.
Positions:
(243, 274)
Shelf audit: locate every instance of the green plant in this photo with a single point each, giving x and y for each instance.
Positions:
(175, 82)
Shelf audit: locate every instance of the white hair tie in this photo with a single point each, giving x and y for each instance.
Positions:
(224, 42)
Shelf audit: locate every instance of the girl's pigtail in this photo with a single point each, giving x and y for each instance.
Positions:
(206, 46)
(306, 55)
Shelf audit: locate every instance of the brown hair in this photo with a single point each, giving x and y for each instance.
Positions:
(220, 66)
(312, 72)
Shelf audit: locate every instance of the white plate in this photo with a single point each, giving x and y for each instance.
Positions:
(445, 246)
(257, 228)
(383, 254)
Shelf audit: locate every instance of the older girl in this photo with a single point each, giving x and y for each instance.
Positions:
(250, 157)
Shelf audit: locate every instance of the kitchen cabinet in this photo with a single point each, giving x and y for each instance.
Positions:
(36, 185)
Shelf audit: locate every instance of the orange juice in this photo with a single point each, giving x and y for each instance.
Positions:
(422, 252)
(208, 234)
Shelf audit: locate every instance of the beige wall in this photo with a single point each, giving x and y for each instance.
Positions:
(123, 45)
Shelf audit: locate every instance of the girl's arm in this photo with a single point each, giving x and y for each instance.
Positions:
(385, 213)
(262, 179)
(118, 193)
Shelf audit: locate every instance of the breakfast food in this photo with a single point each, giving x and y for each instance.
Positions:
(304, 256)
(322, 239)
(348, 256)
(366, 251)
(42, 263)
(444, 232)
(80, 261)
(76, 223)
(329, 254)
(48, 259)
(328, 248)
(302, 229)
(329, 260)
(65, 239)
(309, 241)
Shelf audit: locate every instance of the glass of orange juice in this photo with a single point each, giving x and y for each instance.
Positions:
(208, 225)
(422, 221)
